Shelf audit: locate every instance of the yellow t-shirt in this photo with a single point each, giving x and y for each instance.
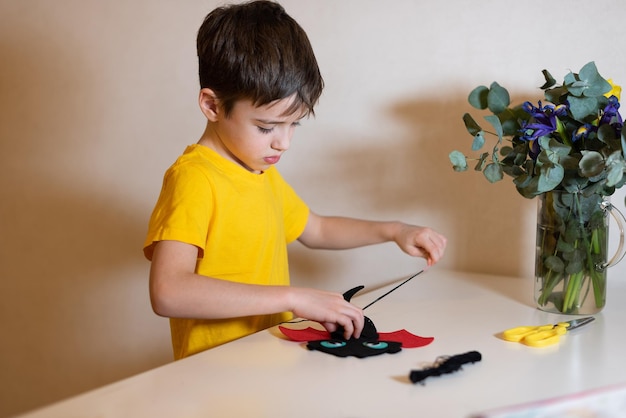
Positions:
(241, 223)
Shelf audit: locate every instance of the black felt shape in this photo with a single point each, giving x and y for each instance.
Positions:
(348, 294)
(369, 332)
(445, 365)
(366, 345)
(355, 347)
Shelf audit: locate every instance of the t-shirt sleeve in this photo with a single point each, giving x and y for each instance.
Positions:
(183, 210)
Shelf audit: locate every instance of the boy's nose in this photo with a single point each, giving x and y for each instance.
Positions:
(282, 141)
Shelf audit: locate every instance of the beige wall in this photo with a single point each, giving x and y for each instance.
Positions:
(98, 97)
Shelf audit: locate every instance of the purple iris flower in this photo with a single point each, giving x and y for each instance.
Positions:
(543, 120)
(611, 114)
(583, 132)
(533, 149)
(542, 123)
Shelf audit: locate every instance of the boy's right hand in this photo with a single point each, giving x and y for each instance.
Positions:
(329, 309)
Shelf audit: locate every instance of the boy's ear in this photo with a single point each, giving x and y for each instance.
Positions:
(209, 104)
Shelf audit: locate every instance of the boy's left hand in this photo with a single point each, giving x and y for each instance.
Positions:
(421, 241)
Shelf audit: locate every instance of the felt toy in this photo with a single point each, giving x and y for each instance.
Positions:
(370, 343)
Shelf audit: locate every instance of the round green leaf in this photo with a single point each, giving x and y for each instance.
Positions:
(470, 124)
(458, 160)
(495, 122)
(478, 97)
(498, 98)
(591, 164)
(493, 172)
(479, 141)
(550, 176)
(581, 107)
(554, 263)
(595, 84)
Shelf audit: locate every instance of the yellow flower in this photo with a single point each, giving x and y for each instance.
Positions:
(615, 91)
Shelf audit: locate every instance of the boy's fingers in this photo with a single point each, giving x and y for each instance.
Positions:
(330, 326)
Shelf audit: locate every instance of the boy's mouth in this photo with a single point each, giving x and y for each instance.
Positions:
(272, 160)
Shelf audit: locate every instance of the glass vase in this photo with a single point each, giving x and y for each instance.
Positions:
(572, 252)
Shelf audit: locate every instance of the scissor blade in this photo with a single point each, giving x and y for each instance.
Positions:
(576, 323)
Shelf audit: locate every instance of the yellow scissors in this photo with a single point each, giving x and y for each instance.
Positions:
(543, 335)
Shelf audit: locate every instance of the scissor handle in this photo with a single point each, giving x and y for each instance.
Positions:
(545, 338)
(517, 334)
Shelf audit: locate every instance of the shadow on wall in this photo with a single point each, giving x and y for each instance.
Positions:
(488, 221)
(411, 174)
(75, 313)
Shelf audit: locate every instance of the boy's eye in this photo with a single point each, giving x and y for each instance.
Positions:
(265, 130)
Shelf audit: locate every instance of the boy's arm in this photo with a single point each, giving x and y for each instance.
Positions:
(332, 232)
(177, 291)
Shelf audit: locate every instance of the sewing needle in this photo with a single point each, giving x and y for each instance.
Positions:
(380, 297)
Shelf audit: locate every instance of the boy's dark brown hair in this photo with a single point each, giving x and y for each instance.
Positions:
(256, 51)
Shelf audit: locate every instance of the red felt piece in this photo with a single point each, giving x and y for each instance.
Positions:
(305, 335)
(402, 336)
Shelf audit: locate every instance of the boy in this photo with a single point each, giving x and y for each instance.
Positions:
(218, 235)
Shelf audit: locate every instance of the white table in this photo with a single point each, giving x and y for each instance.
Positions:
(264, 375)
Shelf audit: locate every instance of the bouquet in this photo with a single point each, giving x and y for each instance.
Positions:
(569, 150)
